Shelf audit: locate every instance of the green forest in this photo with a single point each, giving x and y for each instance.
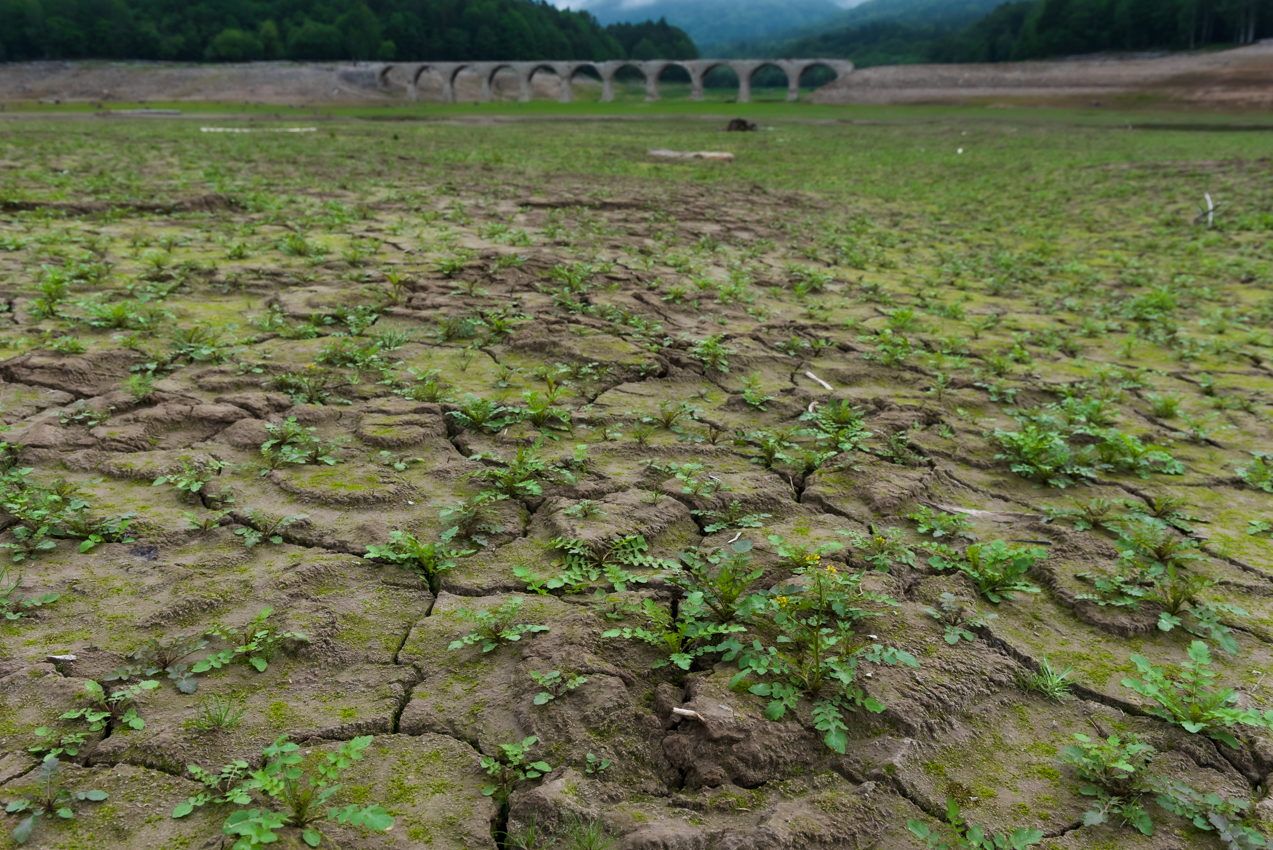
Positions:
(1038, 29)
(886, 32)
(244, 30)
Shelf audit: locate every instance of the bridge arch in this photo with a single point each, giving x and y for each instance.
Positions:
(745, 69)
(698, 70)
(488, 73)
(804, 66)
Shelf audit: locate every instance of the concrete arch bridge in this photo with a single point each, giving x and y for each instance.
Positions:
(409, 73)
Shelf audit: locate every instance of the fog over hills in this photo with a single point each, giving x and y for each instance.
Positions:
(711, 22)
(756, 27)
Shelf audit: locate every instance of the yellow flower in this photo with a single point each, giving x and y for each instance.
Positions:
(812, 558)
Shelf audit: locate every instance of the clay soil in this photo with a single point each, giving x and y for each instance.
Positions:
(1235, 80)
(1228, 80)
(381, 378)
(278, 83)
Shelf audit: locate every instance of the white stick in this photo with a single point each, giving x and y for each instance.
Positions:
(685, 712)
(812, 376)
(736, 536)
(1211, 209)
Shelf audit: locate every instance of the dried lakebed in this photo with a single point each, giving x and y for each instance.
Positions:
(538, 504)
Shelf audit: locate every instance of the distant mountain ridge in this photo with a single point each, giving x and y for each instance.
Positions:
(935, 17)
(712, 22)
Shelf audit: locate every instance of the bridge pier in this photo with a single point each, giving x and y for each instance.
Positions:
(698, 70)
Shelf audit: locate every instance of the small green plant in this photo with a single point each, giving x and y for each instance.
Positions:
(585, 509)
(428, 559)
(265, 528)
(1047, 680)
(814, 652)
(940, 524)
(594, 765)
(518, 477)
(753, 392)
(838, 422)
(80, 413)
(293, 443)
(228, 786)
(1164, 406)
(1231, 818)
(527, 835)
(217, 714)
(141, 385)
(165, 655)
(997, 569)
(712, 353)
(309, 384)
(16, 607)
(111, 710)
(1113, 770)
(958, 617)
(672, 413)
(584, 834)
(1095, 513)
(965, 837)
(718, 580)
(1177, 592)
(427, 386)
(398, 463)
(1258, 473)
(495, 626)
(256, 642)
(510, 766)
(882, 548)
(482, 415)
(471, 516)
(583, 564)
(51, 799)
(891, 348)
(55, 742)
(1191, 701)
(192, 477)
(554, 685)
(541, 413)
(692, 484)
(67, 345)
(200, 344)
(1040, 454)
(682, 637)
(1147, 547)
(290, 798)
(732, 517)
(797, 556)
(770, 446)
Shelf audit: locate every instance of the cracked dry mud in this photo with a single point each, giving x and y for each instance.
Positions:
(405, 300)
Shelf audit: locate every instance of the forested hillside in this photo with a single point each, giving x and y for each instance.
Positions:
(876, 32)
(1045, 28)
(712, 23)
(920, 31)
(653, 40)
(240, 30)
